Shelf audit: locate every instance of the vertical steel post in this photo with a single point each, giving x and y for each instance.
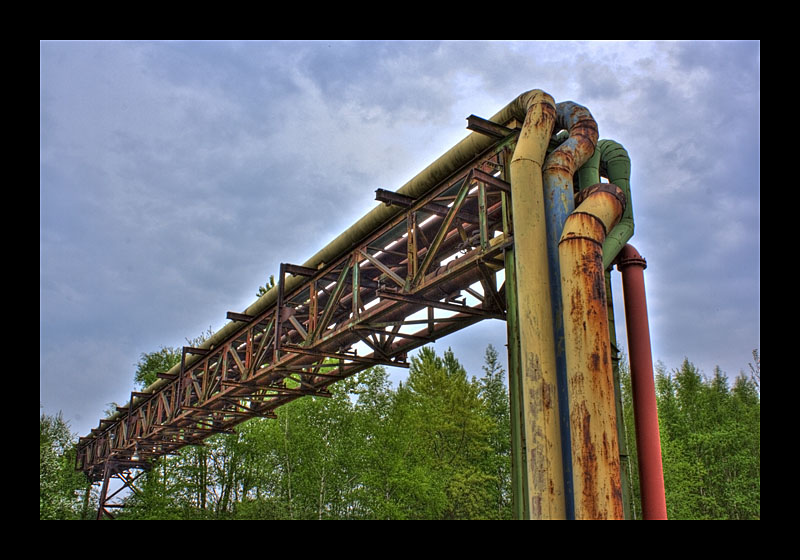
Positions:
(648, 438)
(519, 477)
(519, 470)
(101, 508)
(411, 248)
(624, 460)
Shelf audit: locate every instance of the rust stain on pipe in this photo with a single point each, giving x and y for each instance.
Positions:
(595, 449)
(648, 438)
(542, 436)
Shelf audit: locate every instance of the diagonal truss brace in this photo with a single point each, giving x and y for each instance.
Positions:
(404, 285)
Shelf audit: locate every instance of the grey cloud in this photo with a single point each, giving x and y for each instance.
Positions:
(175, 177)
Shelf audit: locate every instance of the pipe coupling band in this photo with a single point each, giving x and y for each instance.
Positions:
(636, 260)
(610, 188)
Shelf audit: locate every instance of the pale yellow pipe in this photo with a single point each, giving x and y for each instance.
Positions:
(542, 436)
(595, 447)
(417, 187)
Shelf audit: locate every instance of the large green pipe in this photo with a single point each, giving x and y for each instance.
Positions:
(615, 159)
(458, 156)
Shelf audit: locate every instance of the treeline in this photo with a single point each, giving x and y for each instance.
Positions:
(710, 442)
(437, 446)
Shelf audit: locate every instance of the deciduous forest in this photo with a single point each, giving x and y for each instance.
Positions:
(435, 446)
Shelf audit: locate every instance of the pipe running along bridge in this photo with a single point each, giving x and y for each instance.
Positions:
(512, 223)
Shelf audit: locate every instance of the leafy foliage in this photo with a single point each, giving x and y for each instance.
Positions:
(60, 486)
(162, 360)
(710, 443)
(435, 447)
(149, 365)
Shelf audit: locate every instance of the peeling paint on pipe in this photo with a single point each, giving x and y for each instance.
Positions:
(648, 438)
(595, 448)
(560, 166)
(542, 437)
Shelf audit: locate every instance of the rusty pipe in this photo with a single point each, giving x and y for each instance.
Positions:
(648, 439)
(560, 166)
(594, 441)
(562, 163)
(540, 431)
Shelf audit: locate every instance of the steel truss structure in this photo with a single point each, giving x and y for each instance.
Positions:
(432, 270)
(127, 472)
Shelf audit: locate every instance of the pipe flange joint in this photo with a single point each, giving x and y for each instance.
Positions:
(630, 258)
(610, 188)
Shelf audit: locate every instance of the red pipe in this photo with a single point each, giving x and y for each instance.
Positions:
(648, 440)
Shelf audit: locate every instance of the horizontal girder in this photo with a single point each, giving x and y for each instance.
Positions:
(409, 283)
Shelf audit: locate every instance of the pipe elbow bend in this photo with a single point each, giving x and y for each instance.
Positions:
(600, 208)
(580, 123)
(530, 98)
(617, 162)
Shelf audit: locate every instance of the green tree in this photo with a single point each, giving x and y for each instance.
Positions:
(158, 494)
(152, 363)
(266, 287)
(61, 487)
(494, 393)
(312, 461)
(755, 370)
(177, 486)
(432, 449)
(710, 438)
(451, 439)
(166, 357)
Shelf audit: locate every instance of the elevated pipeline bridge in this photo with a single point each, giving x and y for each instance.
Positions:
(448, 249)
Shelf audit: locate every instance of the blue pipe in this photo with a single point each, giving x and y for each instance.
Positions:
(558, 171)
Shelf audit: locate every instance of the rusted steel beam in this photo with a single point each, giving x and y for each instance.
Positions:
(396, 278)
(348, 357)
(487, 127)
(443, 230)
(289, 373)
(274, 390)
(299, 270)
(266, 343)
(241, 317)
(441, 305)
(488, 179)
(389, 198)
(330, 306)
(378, 330)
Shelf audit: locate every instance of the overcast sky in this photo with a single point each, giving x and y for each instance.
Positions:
(176, 176)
